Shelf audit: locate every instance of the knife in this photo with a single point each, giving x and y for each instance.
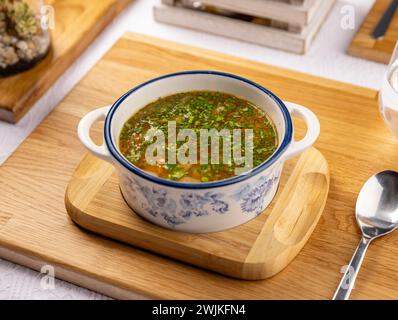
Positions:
(383, 24)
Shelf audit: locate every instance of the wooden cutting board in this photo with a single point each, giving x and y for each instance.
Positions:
(365, 46)
(253, 251)
(36, 229)
(77, 24)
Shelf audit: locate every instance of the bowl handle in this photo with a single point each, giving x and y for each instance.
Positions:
(83, 131)
(313, 129)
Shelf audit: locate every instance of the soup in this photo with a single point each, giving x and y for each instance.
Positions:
(198, 111)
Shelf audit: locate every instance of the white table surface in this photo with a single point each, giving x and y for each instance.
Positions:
(326, 58)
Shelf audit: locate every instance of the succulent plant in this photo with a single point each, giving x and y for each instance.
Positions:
(20, 17)
(23, 18)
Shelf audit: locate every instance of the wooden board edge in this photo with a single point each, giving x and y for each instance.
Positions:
(368, 53)
(77, 277)
(257, 264)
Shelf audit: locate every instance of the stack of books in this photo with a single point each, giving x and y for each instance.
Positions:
(289, 25)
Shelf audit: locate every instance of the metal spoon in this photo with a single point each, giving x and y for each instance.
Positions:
(377, 215)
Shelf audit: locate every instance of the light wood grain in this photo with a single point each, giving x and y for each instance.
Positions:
(244, 30)
(256, 250)
(365, 46)
(77, 23)
(354, 140)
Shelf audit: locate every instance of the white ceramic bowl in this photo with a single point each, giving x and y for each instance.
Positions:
(199, 207)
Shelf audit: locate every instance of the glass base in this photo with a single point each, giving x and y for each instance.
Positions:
(22, 65)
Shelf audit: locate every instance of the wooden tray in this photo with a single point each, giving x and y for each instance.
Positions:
(77, 24)
(256, 250)
(35, 228)
(365, 46)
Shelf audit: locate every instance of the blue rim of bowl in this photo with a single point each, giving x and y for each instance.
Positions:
(203, 185)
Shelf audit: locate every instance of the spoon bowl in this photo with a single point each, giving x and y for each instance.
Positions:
(377, 215)
(377, 205)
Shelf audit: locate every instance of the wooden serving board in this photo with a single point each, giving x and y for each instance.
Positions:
(365, 46)
(77, 24)
(255, 250)
(35, 228)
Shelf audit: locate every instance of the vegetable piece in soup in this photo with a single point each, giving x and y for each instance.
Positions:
(199, 111)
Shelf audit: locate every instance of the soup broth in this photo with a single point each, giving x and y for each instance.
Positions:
(197, 110)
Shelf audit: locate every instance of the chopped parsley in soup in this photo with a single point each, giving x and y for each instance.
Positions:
(197, 110)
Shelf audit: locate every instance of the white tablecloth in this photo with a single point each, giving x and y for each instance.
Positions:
(326, 58)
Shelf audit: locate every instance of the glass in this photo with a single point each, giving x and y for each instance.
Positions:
(24, 38)
(388, 96)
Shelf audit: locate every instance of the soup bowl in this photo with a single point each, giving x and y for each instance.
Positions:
(208, 206)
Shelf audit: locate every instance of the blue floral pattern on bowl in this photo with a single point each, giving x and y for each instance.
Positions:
(252, 197)
(194, 204)
(158, 203)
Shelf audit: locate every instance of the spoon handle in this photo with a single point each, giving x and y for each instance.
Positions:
(350, 274)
